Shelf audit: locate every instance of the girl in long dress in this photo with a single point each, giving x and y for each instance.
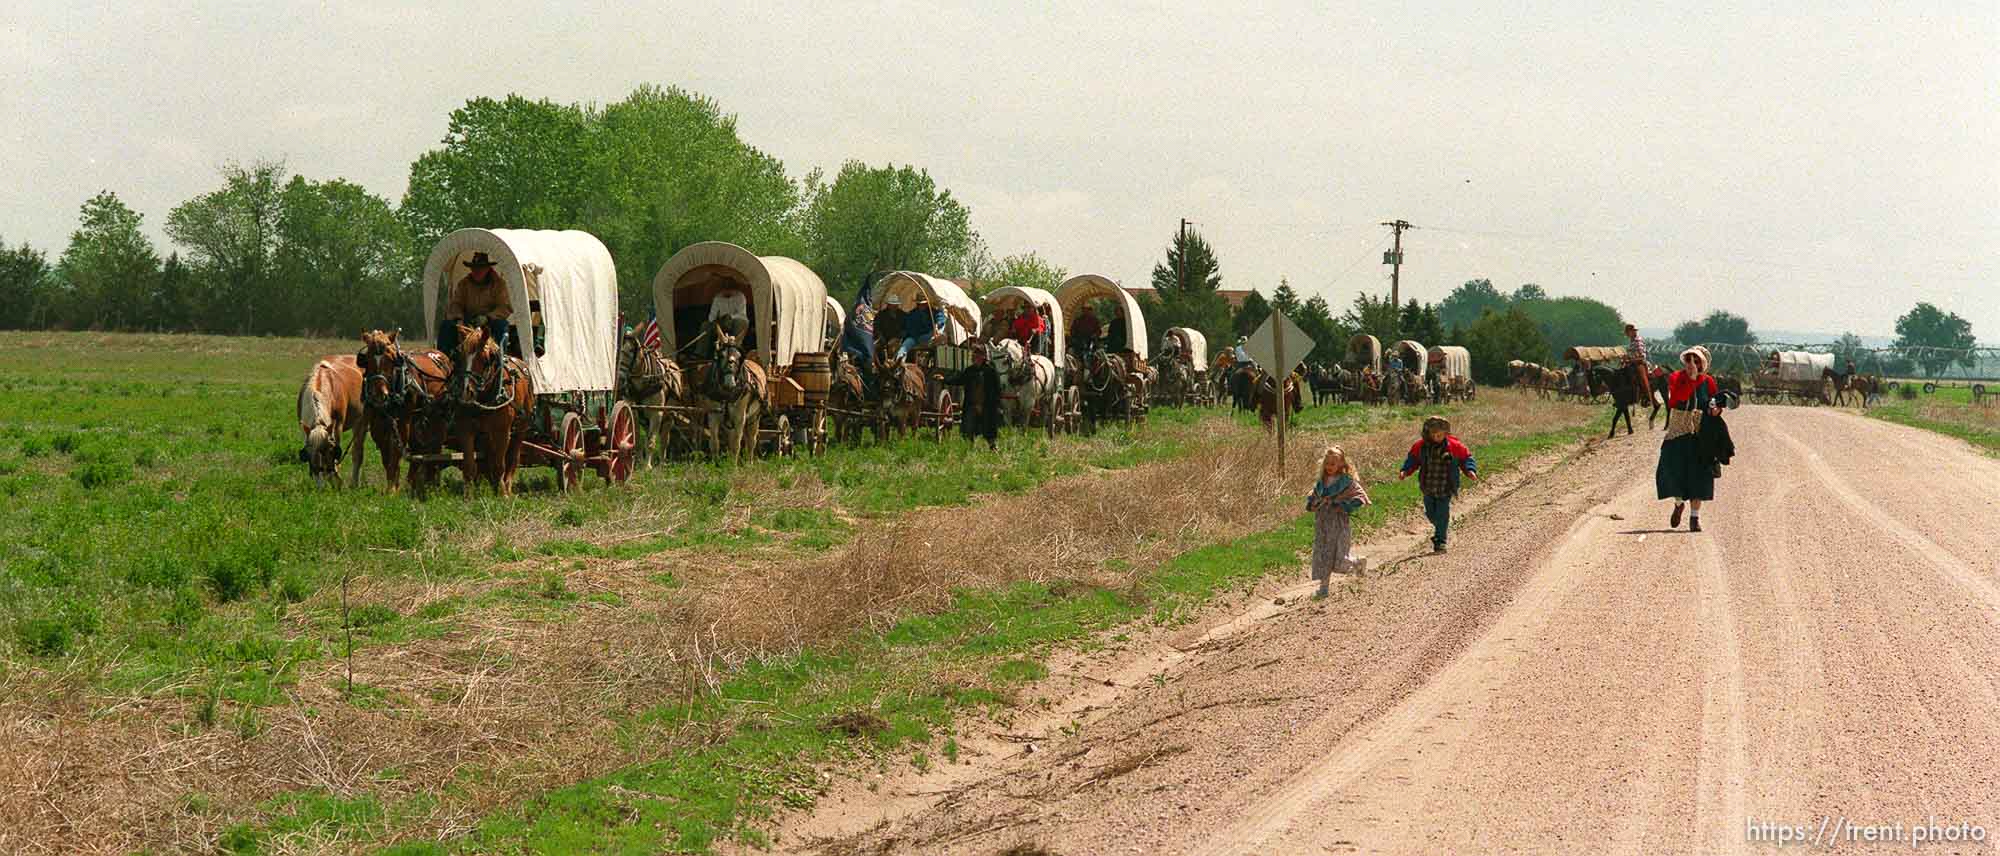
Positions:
(1336, 494)
(1683, 474)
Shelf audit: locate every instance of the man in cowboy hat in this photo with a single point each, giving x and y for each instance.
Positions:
(480, 299)
(1635, 359)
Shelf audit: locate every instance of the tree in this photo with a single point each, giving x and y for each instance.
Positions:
(1315, 317)
(1186, 285)
(1500, 337)
(1529, 292)
(342, 250)
(1934, 340)
(27, 294)
(1027, 270)
(1567, 322)
(1285, 299)
(172, 308)
(1719, 327)
(1850, 348)
(232, 236)
(1465, 304)
(1252, 314)
(1374, 316)
(883, 218)
(511, 163)
(109, 267)
(1420, 321)
(665, 169)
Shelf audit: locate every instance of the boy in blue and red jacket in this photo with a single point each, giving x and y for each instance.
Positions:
(1438, 457)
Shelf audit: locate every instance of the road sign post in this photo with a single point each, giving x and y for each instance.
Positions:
(1278, 346)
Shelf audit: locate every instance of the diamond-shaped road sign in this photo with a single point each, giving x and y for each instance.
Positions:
(1263, 344)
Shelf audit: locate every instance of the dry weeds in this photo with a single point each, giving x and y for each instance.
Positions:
(509, 704)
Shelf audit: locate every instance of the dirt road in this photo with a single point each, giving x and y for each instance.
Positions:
(1571, 678)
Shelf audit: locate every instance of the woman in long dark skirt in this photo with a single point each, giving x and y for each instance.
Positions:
(1683, 474)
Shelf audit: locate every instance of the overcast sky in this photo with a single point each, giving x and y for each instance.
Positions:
(1820, 171)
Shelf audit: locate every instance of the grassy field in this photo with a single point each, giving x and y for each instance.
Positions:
(202, 651)
(1948, 411)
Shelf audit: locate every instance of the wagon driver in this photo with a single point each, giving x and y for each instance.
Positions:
(479, 299)
(729, 313)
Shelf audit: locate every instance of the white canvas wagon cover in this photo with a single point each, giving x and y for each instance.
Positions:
(1080, 290)
(569, 273)
(1367, 350)
(1193, 344)
(780, 288)
(1451, 360)
(961, 313)
(1412, 353)
(1028, 295)
(1800, 365)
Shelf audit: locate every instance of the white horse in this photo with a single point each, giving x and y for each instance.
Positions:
(1024, 380)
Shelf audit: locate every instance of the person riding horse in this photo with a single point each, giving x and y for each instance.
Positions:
(1636, 363)
(478, 299)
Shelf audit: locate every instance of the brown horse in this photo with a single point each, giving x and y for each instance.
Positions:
(493, 397)
(1267, 398)
(657, 388)
(397, 391)
(329, 404)
(847, 396)
(737, 390)
(900, 395)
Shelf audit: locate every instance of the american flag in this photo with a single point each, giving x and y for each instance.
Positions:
(649, 332)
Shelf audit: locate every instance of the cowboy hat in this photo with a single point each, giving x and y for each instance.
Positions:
(894, 299)
(479, 260)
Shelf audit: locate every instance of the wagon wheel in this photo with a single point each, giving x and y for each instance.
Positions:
(569, 462)
(781, 444)
(947, 413)
(818, 432)
(621, 445)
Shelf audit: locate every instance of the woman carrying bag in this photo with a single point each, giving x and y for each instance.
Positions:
(1684, 474)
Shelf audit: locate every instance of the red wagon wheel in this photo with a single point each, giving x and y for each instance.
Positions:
(622, 445)
(569, 462)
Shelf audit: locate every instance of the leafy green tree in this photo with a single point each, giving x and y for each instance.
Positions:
(231, 235)
(1934, 339)
(1530, 292)
(342, 252)
(509, 163)
(173, 304)
(1850, 348)
(1374, 316)
(1252, 314)
(1026, 270)
(1566, 322)
(666, 168)
(1186, 285)
(27, 291)
(1468, 302)
(884, 218)
(1720, 327)
(1420, 321)
(1500, 337)
(109, 268)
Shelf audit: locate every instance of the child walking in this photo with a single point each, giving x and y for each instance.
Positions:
(1336, 494)
(1438, 458)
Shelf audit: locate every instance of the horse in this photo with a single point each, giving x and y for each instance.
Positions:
(1241, 378)
(649, 379)
(1267, 398)
(329, 404)
(1177, 379)
(847, 394)
(1328, 382)
(1855, 382)
(899, 388)
(1106, 393)
(398, 391)
(1024, 380)
(736, 388)
(1623, 384)
(493, 397)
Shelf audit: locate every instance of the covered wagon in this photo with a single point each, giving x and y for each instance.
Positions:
(784, 306)
(1058, 407)
(1450, 373)
(1111, 364)
(1584, 358)
(1801, 377)
(1405, 379)
(1182, 367)
(958, 318)
(564, 329)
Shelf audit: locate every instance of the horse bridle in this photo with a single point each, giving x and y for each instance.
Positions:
(395, 398)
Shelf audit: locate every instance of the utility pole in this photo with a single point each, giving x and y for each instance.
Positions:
(1395, 257)
(1180, 258)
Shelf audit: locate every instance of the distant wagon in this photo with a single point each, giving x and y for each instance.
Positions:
(1584, 358)
(1114, 377)
(1059, 407)
(1450, 375)
(1363, 364)
(1184, 380)
(1799, 377)
(786, 336)
(1408, 386)
(950, 351)
(564, 290)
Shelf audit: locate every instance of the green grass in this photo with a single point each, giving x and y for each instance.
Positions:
(1949, 411)
(784, 716)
